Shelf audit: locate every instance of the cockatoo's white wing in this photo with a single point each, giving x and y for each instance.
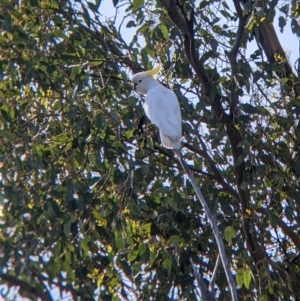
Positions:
(163, 110)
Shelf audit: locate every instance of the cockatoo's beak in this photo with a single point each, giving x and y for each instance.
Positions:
(134, 87)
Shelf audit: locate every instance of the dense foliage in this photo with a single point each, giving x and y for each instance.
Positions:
(93, 209)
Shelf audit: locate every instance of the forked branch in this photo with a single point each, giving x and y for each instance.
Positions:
(204, 292)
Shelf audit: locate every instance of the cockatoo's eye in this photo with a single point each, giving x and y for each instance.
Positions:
(140, 80)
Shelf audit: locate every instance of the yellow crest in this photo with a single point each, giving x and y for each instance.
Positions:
(153, 72)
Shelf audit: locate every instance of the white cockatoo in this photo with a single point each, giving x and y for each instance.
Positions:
(161, 107)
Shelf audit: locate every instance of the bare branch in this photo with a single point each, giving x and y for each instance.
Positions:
(232, 54)
(202, 287)
(213, 223)
(192, 56)
(238, 8)
(213, 277)
(170, 156)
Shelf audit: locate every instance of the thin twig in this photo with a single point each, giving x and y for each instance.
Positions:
(202, 287)
(213, 277)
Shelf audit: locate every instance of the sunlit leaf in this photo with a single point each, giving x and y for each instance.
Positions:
(229, 234)
(164, 31)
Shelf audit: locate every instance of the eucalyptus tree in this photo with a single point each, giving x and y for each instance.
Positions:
(92, 206)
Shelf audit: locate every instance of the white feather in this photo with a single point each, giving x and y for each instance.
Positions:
(162, 108)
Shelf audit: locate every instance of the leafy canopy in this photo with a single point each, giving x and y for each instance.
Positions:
(93, 209)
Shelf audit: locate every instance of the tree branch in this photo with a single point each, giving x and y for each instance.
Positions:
(268, 40)
(217, 176)
(232, 132)
(204, 292)
(26, 287)
(167, 154)
(232, 54)
(213, 277)
(68, 287)
(135, 67)
(213, 223)
(285, 229)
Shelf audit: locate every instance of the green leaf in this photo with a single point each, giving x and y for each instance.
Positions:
(241, 158)
(119, 242)
(6, 135)
(150, 143)
(229, 234)
(100, 121)
(204, 3)
(137, 4)
(213, 92)
(263, 298)
(281, 23)
(176, 239)
(145, 229)
(92, 6)
(289, 214)
(67, 227)
(75, 143)
(260, 12)
(164, 31)
(214, 44)
(75, 71)
(132, 255)
(130, 24)
(284, 80)
(247, 278)
(167, 263)
(296, 167)
(74, 179)
(273, 218)
(53, 4)
(95, 63)
(126, 268)
(243, 276)
(153, 255)
(263, 272)
(102, 222)
(97, 3)
(247, 8)
(248, 108)
(72, 113)
(239, 278)
(244, 185)
(296, 102)
(142, 248)
(7, 113)
(245, 144)
(84, 246)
